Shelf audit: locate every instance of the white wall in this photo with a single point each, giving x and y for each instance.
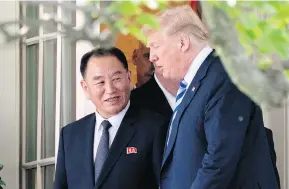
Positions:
(83, 106)
(9, 101)
(277, 120)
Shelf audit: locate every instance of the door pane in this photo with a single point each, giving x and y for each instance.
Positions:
(68, 82)
(31, 179)
(31, 101)
(48, 176)
(51, 10)
(48, 103)
(32, 13)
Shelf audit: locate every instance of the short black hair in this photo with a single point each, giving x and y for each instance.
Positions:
(101, 52)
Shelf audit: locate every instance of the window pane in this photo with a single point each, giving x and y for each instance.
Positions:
(31, 179)
(32, 13)
(50, 27)
(48, 176)
(31, 101)
(68, 83)
(48, 104)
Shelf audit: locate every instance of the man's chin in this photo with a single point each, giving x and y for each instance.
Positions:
(115, 109)
(167, 75)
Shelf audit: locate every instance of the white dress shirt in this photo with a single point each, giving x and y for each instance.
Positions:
(196, 64)
(115, 121)
(170, 98)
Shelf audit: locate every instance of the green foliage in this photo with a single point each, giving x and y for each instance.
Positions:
(265, 63)
(2, 183)
(131, 16)
(286, 71)
(262, 27)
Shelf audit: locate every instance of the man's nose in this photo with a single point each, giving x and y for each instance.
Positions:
(109, 87)
(153, 58)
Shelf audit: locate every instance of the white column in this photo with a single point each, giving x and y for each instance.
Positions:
(9, 101)
(276, 120)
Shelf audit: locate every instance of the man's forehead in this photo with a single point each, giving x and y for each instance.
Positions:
(146, 50)
(154, 38)
(103, 72)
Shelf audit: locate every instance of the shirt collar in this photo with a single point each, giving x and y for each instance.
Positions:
(162, 87)
(197, 62)
(170, 98)
(114, 120)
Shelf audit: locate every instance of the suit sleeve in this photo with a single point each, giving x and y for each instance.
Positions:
(60, 175)
(158, 147)
(227, 115)
(270, 139)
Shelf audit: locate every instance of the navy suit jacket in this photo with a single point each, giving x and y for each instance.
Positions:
(218, 140)
(151, 97)
(140, 128)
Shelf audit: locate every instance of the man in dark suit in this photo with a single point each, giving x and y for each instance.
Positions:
(216, 138)
(157, 94)
(120, 145)
(151, 97)
(144, 69)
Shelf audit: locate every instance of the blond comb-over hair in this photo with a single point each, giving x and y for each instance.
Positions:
(181, 19)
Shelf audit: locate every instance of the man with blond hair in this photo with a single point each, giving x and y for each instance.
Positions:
(216, 137)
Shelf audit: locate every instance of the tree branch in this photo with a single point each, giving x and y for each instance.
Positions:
(285, 64)
(267, 88)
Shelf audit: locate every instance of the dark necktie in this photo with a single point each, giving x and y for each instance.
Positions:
(102, 150)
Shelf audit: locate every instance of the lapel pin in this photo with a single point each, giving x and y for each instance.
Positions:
(131, 150)
(193, 89)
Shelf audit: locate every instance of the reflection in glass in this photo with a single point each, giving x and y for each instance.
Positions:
(31, 179)
(32, 12)
(48, 176)
(48, 103)
(31, 101)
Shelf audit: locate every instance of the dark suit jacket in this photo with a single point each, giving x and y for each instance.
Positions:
(218, 140)
(151, 97)
(270, 138)
(140, 128)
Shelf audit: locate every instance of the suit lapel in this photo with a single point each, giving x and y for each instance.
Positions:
(122, 138)
(88, 136)
(190, 93)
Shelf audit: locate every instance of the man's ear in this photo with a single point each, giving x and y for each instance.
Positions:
(185, 43)
(85, 88)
